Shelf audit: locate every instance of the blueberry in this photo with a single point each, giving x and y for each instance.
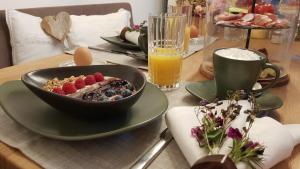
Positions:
(118, 91)
(129, 86)
(123, 82)
(110, 92)
(117, 83)
(126, 92)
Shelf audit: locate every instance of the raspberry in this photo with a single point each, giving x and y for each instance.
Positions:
(79, 83)
(58, 90)
(99, 76)
(69, 88)
(90, 79)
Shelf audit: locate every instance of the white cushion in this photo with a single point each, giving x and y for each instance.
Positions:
(87, 30)
(28, 40)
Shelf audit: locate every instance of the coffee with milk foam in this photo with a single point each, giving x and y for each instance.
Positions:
(238, 54)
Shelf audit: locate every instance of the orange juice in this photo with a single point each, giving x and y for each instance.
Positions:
(165, 66)
(187, 38)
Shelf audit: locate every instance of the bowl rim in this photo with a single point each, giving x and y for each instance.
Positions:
(23, 77)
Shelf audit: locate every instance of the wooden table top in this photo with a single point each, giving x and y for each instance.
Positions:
(11, 158)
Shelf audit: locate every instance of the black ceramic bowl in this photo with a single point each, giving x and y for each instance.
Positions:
(36, 79)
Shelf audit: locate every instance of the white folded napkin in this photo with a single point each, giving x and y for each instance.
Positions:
(279, 140)
(133, 37)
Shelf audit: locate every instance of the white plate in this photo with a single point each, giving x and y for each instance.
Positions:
(71, 63)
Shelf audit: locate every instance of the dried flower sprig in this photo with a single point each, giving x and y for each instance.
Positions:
(215, 128)
(243, 149)
(212, 131)
(138, 27)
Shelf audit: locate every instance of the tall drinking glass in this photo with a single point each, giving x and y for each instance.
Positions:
(165, 49)
(184, 10)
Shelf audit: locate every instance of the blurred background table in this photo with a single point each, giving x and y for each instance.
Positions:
(171, 157)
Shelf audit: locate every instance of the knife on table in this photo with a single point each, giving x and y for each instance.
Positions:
(144, 68)
(154, 151)
(137, 55)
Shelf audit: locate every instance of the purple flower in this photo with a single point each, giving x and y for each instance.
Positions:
(136, 27)
(234, 133)
(251, 144)
(219, 122)
(197, 133)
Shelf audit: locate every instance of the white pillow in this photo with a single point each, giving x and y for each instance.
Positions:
(87, 30)
(28, 40)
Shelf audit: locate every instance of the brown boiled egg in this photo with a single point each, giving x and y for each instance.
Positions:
(83, 56)
(194, 31)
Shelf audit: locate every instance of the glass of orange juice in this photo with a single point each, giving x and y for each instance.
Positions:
(165, 49)
(184, 10)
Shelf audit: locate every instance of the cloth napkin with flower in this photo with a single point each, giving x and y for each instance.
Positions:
(231, 128)
(136, 35)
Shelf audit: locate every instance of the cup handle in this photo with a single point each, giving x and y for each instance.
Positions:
(277, 72)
